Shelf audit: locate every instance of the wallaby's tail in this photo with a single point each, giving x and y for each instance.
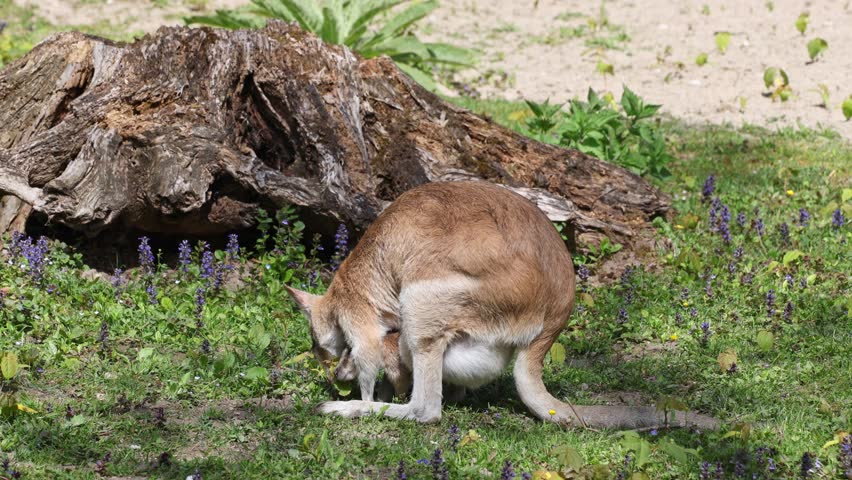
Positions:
(527, 372)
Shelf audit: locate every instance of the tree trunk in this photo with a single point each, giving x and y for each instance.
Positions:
(189, 131)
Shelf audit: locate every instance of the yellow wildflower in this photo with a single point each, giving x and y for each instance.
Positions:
(790, 193)
(551, 412)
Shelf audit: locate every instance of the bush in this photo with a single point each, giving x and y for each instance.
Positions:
(355, 23)
(598, 128)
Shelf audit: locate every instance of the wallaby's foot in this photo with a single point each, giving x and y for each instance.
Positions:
(360, 408)
(454, 393)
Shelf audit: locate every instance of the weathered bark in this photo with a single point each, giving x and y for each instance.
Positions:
(191, 130)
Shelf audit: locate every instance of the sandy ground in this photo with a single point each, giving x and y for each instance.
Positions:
(547, 50)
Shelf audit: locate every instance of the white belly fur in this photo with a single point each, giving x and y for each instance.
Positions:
(472, 364)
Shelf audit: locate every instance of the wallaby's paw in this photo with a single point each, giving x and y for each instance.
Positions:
(343, 409)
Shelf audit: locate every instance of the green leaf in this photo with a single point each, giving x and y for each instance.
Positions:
(400, 22)
(449, 54)
(769, 76)
(257, 373)
(816, 47)
(604, 68)
(344, 388)
(470, 437)
(557, 354)
(722, 41)
(802, 22)
(701, 59)
(679, 453)
(226, 19)
(305, 12)
(418, 76)
(75, 421)
(299, 358)
(9, 365)
(167, 304)
(727, 359)
(765, 340)
(791, 256)
(568, 457)
(846, 107)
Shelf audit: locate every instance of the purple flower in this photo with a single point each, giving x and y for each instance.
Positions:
(804, 217)
(146, 257)
(738, 253)
(526, 476)
(341, 246)
(844, 457)
(207, 268)
(788, 279)
(400, 471)
(233, 248)
(684, 294)
(35, 254)
(116, 280)
(788, 311)
(653, 432)
(837, 219)
(152, 294)
(205, 347)
(719, 473)
(184, 255)
(704, 471)
(455, 436)
(770, 303)
(583, 272)
(103, 336)
(439, 467)
(678, 318)
(747, 278)
(807, 465)
(218, 277)
(708, 188)
(784, 230)
(508, 472)
(741, 219)
(759, 227)
(622, 316)
(705, 330)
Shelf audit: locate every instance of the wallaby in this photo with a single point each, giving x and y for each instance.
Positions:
(469, 273)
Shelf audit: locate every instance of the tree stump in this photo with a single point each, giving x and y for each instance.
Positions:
(191, 130)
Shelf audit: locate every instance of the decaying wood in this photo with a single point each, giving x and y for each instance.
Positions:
(189, 131)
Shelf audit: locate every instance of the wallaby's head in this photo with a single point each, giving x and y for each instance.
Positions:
(327, 337)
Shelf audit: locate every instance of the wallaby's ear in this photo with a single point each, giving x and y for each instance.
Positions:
(304, 300)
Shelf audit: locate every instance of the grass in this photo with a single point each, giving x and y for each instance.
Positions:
(243, 408)
(102, 360)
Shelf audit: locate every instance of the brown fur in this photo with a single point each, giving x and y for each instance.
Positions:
(467, 272)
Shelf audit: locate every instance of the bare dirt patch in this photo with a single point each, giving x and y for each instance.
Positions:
(550, 50)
